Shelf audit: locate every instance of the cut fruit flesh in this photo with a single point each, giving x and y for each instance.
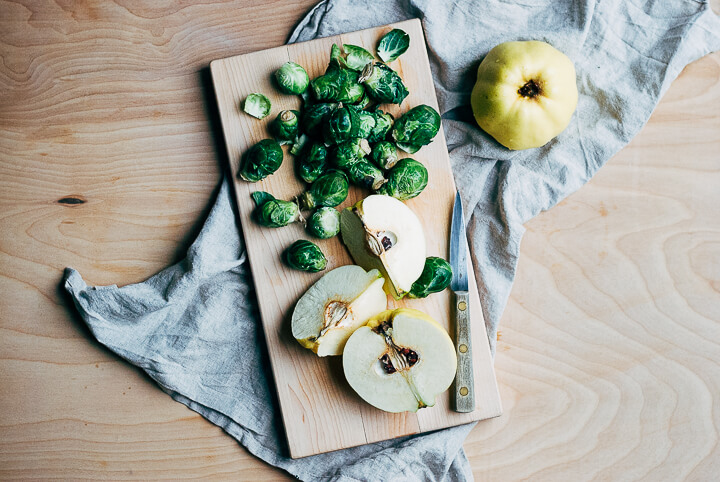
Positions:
(338, 303)
(382, 233)
(425, 369)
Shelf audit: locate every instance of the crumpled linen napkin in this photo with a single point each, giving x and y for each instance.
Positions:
(189, 327)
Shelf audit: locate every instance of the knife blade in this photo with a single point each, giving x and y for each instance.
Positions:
(464, 395)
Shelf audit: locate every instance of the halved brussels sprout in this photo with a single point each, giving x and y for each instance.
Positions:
(343, 124)
(393, 44)
(274, 213)
(436, 276)
(416, 128)
(315, 116)
(305, 256)
(406, 180)
(383, 84)
(285, 126)
(330, 189)
(366, 175)
(349, 152)
(324, 222)
(257, 105)
(261, 160)
(357, 57)
(383, 124)
(292, 78)
(337, 85)
(367, 123)
(311, 162)
(384, 155)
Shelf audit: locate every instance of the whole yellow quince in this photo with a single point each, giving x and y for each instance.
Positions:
(525, 93)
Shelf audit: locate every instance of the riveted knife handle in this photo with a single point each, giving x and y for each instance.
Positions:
(464, 379)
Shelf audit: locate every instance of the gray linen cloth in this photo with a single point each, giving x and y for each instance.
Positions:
(194, 326)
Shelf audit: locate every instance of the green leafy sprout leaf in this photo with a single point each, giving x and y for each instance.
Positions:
(357, 57)
(393, 44)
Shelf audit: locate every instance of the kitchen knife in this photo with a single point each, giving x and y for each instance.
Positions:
(464, 379)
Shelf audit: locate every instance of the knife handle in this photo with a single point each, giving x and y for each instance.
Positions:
(464, 379)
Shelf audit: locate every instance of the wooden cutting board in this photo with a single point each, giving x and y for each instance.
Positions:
(320, 411)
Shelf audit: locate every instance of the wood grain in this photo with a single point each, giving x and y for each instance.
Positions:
(608, 354)
(321, 413)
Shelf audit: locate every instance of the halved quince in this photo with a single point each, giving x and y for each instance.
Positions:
(338, 303)
(400, 361)
(382, 233)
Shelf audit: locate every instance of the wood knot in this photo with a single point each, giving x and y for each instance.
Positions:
(72, 200)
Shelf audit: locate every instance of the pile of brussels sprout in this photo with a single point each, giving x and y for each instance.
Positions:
(340, 137)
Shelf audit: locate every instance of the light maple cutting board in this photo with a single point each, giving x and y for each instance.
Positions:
(320, 411)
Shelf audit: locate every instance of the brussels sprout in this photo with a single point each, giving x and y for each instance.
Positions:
(367, 123)
(306, 99)
(383, 84)
(363, 102)
(392, 45)
(324, 222)
(330, 189)
(292, 78)
(315, 116)
(299, 144)
(257, 105)
(311, 162)
(349, 152)
(337, 85)
(357, 57)
(366, 175)
(383, 124)
(261, 197)
(343, 124)
(274, 213)
(384, 155)
(285, 126)
(261, 160)
(336, 56)
(305, 256)
(416, 128)
(435, 277)
(406, 180)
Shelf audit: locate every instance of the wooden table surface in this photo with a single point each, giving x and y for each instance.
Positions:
(608, 351)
